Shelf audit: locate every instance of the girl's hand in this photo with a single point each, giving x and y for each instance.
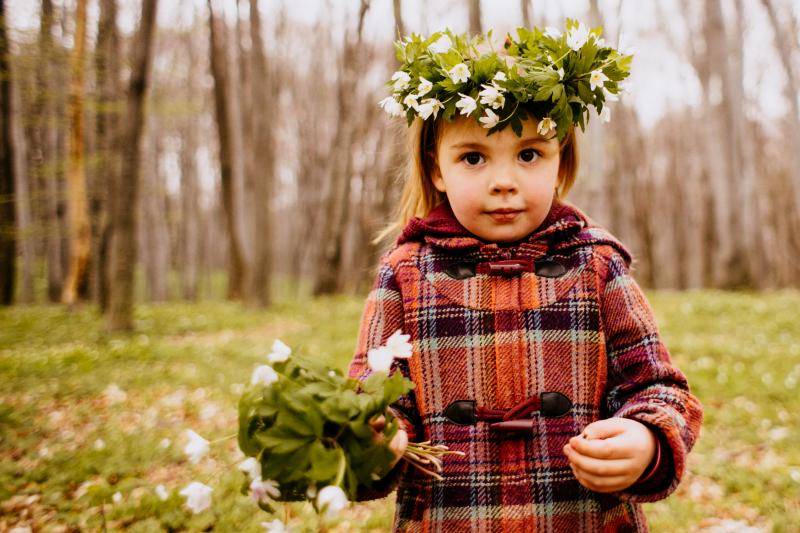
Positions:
(399, 441)
(611, 454)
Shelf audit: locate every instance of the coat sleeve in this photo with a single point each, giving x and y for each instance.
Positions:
(643, 385)
(382, 316)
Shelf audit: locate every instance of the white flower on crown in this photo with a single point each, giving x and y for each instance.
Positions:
(279, 352)
(401, 80)
(577, 37)
(459, 73)
(392, 107)
(424, 87)
(398, 345)
(605, 114)
(492, 95)
(198, 496)
(552, 32)
(609, 96)
(500, 76)
(441, 46)
(380, 359)
(411, 101)
(622, 46)
(428, 107)
(264, 375)
(597, 78)
(489, 120)
(196, 448)
(546, 125)
(467, 104)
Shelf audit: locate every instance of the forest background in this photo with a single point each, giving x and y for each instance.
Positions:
(200, 158)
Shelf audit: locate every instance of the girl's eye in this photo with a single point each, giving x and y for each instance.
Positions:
(472, 158)
(528, 155)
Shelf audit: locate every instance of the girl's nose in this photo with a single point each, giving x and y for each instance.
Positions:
(504, 183)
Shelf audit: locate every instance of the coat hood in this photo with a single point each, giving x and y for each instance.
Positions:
(564, 228)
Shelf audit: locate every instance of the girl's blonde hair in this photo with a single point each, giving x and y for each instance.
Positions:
(420, 196)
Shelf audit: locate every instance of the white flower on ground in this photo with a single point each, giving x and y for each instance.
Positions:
(237, 388)
(492, 95)
(428, 107)
(605, 114)
(398, 345)
(196, 448)
(459, 73)
(275, 526)
(424, 87)
(546, 125)
(500, 76)
(467, 104)
(380, 359)
(44, 452)
(577, 37)
(597, 78)
(441, 46)
(394, 109)
(489, 120)
(251, 467)
(280, 352)
(198, 496)
(552, 32)
(331, 500)
(264, 491)
(411, 101)
(20, 529)
(164, 444)
(264, 375)
(117, 497)
(113, 394)
(162, 493)
(99, 444)
(401, 80)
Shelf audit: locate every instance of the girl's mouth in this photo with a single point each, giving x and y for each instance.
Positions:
(504, 215)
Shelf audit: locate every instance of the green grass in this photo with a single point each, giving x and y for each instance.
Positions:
(740, 351)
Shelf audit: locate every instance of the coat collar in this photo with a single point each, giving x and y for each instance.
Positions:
(564, 227)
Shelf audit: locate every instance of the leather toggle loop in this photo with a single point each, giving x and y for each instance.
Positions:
(506, 268)
(519, 419)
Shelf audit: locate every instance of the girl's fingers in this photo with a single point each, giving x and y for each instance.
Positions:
(610, 448)
(598, 467)
(602, 484)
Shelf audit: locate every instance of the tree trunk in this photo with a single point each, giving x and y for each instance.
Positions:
(109, 102)
(525, 6)
(400, 28)
(263, 158)
(475, 17)
(231, 172)
(25, 233)
(122, 259)
(77, 201)
(8, 241)
(153, 231)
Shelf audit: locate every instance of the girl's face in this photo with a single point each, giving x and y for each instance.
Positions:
(501, 186)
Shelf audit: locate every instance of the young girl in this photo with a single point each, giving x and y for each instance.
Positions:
(534, 351)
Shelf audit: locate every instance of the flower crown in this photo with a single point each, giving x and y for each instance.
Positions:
(556, 76)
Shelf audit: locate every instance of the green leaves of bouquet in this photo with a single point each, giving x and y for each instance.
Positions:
(556, 77)
(308, 427)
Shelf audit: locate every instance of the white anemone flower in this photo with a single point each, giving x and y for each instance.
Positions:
(401, 80)
(264, 375)
(117, 497)
(596, 79)
(577, 37)
(162, 493)
(605, 114)
(459, 73)
(490, 120)
(275, 526)
(392, 107)
(198, 496)
(196, 448)
(424, 87)
(492, 95)
(546, 125)
(609, 96)
(441, 46)
(398, 345)
(331, 500)
(467, 104)
(279, 352)
(380, 359)
(251, 467)
(552, 32)
(264, 491)
(428, 107)
(561, 73)
(411, 101)
(500, 76)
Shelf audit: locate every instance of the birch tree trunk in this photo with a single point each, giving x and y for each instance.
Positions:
(400, 27)
(231, 171)
(475, 17)
(23, 199)
(122, 258)
(525, 7)
(77, 202)
(8, 246)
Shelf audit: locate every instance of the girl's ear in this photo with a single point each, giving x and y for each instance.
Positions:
(436, 175)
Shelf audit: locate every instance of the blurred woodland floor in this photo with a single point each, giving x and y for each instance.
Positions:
(69, 443)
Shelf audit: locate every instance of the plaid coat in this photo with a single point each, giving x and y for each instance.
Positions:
(492, 330)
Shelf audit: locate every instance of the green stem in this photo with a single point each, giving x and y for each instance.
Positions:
(342, 467)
